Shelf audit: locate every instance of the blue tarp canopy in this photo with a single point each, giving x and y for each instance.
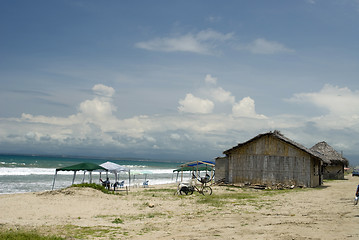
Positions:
(193, 168)
(198, 163)
(196, 166)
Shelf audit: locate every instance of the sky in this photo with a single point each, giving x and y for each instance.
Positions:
(176, 79)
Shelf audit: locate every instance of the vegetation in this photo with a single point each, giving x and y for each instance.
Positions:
(25, 235)
(117, 221)
(94, 186)
(78, 232)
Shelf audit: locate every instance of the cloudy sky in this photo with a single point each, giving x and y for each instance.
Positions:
(176, 79)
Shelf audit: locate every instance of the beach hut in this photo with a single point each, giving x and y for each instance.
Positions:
(336, 162)
(116, 169)
(270, 159)
(86, 167)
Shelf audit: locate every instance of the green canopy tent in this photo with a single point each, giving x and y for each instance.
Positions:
(89, 167)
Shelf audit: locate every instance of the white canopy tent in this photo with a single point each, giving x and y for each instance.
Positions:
(116, 169)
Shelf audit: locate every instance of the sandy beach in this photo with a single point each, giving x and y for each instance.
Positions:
(156, 213)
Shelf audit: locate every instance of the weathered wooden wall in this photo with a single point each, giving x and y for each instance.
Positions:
(268, 160)
(222, 169)
(334, 172)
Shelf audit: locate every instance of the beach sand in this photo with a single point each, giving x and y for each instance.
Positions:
(156, 213)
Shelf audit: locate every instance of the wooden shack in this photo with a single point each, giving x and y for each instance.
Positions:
(270, 159)
(336, 162)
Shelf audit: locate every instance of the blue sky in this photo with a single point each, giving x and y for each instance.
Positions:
(176, 79)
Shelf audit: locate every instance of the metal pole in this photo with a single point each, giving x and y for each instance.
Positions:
(53, 184)
(73, 179)
(129, 178)
(197, 170)
(83, 179)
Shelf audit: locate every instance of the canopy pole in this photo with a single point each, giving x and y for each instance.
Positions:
(83, 179)
(90, 176)
(129, 179)
(212, 180)
(197, 171)
(73, 179)
(53, 184)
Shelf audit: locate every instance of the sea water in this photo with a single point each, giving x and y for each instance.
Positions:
(23, 173)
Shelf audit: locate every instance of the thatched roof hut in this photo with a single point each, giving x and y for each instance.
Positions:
(329, 154)
(335, 161)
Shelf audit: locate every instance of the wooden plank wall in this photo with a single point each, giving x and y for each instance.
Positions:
(270, 161)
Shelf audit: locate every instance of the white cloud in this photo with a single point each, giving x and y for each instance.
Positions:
(339, 101)
(175, 136)
(204, 42)
(342, 105)
(221, 95)
(103, 90)
(210, 35)
(263, 46)
(192, 104)
(210, 80)
(246, 108)
(31, 136)
(96, 108)
(100, 108)
(185, 43)
(201, 133)
(215, 93)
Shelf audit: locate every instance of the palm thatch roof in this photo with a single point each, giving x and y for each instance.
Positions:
(277, 134)
(329, 153)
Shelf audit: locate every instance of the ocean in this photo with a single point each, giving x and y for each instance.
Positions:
(25, 173)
